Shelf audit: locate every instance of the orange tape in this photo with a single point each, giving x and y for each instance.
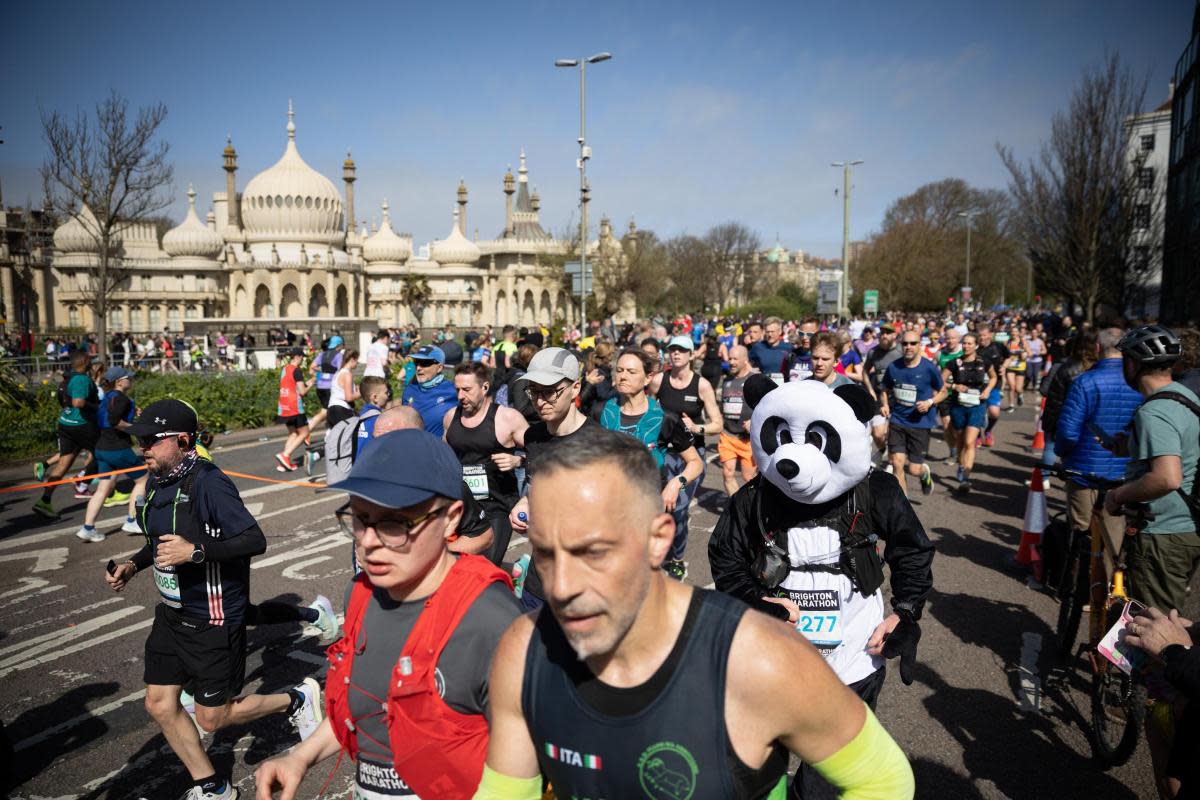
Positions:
(301, 484)
(26, 487)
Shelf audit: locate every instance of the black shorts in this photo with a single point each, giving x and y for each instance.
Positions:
(74, 438)
(207, 660)
(295, 422)
(323, 396)
(913, 441)
(944, 408)
(338, 414)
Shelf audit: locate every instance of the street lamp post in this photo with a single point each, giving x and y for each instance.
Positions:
(966, 289)
(585, 153)
(844, 288)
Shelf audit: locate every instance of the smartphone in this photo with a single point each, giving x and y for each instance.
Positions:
(1107, 441)
(111, 567)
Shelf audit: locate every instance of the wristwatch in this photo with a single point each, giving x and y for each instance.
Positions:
(683, 482)
(198, 555)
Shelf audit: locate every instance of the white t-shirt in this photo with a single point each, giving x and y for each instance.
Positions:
(337, 395)
(377, 356)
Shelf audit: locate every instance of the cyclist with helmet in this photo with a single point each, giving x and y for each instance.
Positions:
(1163, 447)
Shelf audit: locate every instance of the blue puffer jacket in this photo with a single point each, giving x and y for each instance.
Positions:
(1098, 396)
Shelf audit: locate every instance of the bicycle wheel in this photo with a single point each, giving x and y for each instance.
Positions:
(1070, 605)
(1118, 712)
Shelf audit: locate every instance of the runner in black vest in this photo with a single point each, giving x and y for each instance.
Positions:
(595, 696)
(481, 433)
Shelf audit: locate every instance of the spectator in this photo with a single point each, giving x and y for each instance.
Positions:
(1084, 353)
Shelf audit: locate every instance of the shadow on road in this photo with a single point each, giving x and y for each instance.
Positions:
(939, 781)
(33, 760)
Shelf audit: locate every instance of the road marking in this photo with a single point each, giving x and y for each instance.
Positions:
(27, 585)
(293, 571)
(86, 716)
(318, 501)
(20, 598)
(137, 626)
(65, 634)
(517, 541)
(68, 615)
(1031, 684)
(329, 542)
(50, 558)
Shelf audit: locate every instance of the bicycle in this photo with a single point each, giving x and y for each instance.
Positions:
(1118, 700)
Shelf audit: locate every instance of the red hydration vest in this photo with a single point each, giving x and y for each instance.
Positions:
(437, 751)
(289, 397)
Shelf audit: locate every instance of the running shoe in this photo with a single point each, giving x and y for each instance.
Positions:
(327, 621)
(676, 569)
(285, 463)
(131, 526)
(926, 480)
(953, 457)
(39, 470)
(1020, 399)
(87, 534)
(44, 508)
(228, 792)
(961, 475)
(83, 491)
(116, 499)
(1010, 409)
(964, 486)
(308, 717)
(988, 440)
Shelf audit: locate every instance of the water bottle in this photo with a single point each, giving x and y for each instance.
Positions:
(521, 515)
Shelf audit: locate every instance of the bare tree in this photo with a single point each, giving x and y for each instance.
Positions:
(1077, 203)
(112, 167)
(731, 262)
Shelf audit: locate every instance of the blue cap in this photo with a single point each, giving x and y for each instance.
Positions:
(114, 374)
(404, 468)
(429, 352)
(334, 341)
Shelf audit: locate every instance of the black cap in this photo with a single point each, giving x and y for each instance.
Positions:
(164, 416)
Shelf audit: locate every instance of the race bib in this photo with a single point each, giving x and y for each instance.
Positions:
(969, 397)
(820, 618)
(168, 587)
(475, 476)
(732, 407)
(906, 394)
(777, 377)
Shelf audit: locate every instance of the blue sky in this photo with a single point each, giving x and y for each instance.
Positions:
(708, 111)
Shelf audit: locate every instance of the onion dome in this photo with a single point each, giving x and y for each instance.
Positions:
(192, 239)
(291, 201)
(385, 245)
(455, 248)
(78, 234)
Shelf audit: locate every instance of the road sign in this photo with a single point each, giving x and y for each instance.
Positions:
(871, 301)
(828, 295)
(574, 269)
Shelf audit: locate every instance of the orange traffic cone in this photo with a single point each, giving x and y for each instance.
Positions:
(1039, 436)
(1035, 524)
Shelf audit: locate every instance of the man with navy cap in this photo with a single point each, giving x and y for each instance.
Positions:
(429, 392)
(421, 626)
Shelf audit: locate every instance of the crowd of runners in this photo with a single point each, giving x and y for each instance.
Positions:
(440, 686)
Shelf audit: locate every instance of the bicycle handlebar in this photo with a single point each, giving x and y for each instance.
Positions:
(1091, 481)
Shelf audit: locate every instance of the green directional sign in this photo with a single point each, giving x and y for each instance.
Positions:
(871, 301)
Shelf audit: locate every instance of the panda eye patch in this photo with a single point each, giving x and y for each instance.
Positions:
(774, 433)
(824, 437)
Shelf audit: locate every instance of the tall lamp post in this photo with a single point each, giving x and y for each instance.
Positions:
(585, 153)
(844, 289)
(966, 289)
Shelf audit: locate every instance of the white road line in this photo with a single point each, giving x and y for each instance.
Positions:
(48, 559)
(318, 501)
(91, 714)
(517, 541)
(23, 597)
(329, 542)
(65, 635)
(27, 585)
(1031, 685)
(66, 651)
(68, 615)
(292, 571)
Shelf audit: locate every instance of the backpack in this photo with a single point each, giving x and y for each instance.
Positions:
(341, 446)
(327, 366)
(1192, 501)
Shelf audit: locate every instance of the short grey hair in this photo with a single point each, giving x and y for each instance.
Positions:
(1109, 337)
(769, 321)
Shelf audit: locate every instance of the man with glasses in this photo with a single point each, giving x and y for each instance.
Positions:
(768, 355)
(421, 627)
(878, 360)
(913, 387)
(199, 540)
(429, 392)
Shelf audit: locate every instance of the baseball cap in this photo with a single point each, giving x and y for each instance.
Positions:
(684, 342)
(403, 468)
(551, 365)
(164, 416)
(335, 341)
(114, 374)
(429, 352)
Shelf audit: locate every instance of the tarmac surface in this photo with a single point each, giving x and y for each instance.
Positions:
(980, 720)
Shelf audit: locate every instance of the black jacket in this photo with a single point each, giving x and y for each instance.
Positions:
(737, 539)
(1056, 394)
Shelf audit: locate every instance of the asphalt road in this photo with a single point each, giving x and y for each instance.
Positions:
(978, 722)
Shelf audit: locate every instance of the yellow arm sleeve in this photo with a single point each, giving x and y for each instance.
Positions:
(495, 786)
(870, 767)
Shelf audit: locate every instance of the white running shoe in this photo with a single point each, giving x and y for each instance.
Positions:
(308, 717)
(131, 526)
(196, 793)
(92, 535)
(327, 621)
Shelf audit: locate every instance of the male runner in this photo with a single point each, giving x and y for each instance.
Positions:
(483, 435)
(429, 392)
(876, 366)
(768, 355)
(685, 394)
(407, 687)
(199, 540)
(824, 361)
(912, 387)
(324, 367)
(292, 388)
(951, 351)
(78, 429)
(733, 448)
(631, 685)
(995, 354)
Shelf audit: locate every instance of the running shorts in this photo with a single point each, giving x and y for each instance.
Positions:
(110, 460)
(207, 660)
(323, 396)
(734, 448)
(996, 397)
(297, 421)
(913, 441)
(76, 438)
(962, 417)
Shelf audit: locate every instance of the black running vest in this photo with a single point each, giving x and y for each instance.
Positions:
(664, 740)
(685, 401)
(495, 490)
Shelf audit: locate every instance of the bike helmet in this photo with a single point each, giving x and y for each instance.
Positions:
(1151, 345)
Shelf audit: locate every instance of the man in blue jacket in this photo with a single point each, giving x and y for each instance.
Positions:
(429, 392)
(1099, 397)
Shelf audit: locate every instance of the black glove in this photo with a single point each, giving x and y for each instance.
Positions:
(903, 642)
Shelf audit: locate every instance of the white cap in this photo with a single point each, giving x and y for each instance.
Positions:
(551, 365)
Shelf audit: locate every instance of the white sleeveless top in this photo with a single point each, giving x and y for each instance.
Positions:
(337, 395)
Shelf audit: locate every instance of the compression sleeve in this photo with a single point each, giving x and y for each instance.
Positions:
(495, 786)
(250, 542)
(870, 767)
(142, 558)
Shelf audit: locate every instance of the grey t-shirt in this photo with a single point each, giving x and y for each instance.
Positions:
(462, 671)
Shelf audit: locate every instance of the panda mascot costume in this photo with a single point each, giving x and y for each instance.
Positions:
(799, 541)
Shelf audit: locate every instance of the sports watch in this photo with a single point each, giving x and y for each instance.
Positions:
(683, 481)
(198, 555)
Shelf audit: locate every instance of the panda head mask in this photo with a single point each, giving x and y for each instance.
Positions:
(810, 441)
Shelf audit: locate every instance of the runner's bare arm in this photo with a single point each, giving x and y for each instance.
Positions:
(449, 415)
(510, 424)
(655, 385)
(286, 772)
(511, 771)
(711, 410)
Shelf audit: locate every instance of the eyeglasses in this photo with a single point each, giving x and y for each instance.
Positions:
(678, 350)
(543, 395)
(910, 344)
(147, 442)
(393, 532)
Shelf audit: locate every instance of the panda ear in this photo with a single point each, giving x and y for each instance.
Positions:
(858, 399)
(756, 388)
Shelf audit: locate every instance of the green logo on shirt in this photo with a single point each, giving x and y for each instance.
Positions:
(667, 771)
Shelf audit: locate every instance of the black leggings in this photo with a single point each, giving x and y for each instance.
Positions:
(808, 784)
